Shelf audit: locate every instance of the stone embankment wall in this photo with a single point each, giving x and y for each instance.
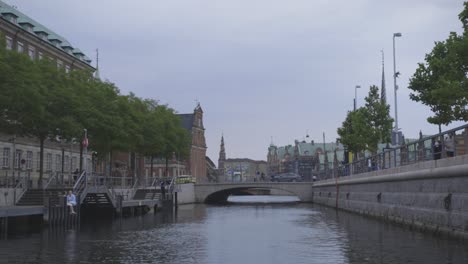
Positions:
(431, 195)
(186, 193)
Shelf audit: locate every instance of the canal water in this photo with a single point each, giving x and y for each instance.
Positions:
(252, 229)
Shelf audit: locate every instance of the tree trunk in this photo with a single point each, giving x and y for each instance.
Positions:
(41, 160)
(110, 163)
(63, 164)
(151, 167)
(167, 168)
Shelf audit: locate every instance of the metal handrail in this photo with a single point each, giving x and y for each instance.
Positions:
(154, 182)
(80, 185)
(397, 156)
(20, 185)
(49, 181)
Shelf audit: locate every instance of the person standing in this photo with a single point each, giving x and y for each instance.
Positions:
(163, 190)
(71, 202)
(449, 145)
(437, 149)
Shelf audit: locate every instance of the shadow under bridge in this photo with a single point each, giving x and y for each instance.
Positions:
(219, 192)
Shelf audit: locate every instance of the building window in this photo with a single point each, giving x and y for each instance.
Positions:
(18, 155)
(20, 47)
(6, 158)
(40, 55)
(66, 163)
(48, 161)
(67, 68)
(29, 158)
(59, 64)
(9, 43)
(73, 163)
(58, 162)
(31, 53)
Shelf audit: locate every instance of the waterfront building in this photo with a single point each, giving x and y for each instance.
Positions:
(304, 158)
(20, 156)
(25, 35)
(196, 164)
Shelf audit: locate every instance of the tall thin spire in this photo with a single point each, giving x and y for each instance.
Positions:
(222, 158)
(383, 96)
(222, 151)
(96, 74)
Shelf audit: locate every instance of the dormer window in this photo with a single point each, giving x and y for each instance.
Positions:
(78, 54)
(11, 17)
(67, 49)
(42, 34)
(55, 42)
(27, 26)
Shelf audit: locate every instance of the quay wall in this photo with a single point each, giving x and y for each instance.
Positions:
(431, 195)
(186, 193)
(7, 196)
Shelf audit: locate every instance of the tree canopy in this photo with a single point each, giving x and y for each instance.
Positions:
(39, 100)
(442, 81)
(366, 127)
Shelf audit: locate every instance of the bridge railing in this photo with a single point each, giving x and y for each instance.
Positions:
(450, 143)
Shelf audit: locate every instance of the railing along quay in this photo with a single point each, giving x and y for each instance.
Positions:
(450, 143)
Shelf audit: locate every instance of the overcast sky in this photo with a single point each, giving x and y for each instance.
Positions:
(261, 69)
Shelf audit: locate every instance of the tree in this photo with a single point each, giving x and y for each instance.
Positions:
(441, 82)
(354, 131)
(378, 118)
(368, 126)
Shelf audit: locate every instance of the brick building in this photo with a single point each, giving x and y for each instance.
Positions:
(20, 156)
(196, 165)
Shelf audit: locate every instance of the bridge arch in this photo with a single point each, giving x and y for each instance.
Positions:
(219, 192)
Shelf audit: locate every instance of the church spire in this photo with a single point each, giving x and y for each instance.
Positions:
(222, 151)
(222, 158)
(96, 73)
(383, 96)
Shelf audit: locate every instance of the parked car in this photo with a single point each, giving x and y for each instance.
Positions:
(286, 177)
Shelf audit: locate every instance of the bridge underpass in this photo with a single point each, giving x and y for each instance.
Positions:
(219, 192)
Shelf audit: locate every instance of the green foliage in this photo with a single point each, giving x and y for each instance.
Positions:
(364, 128)
(441, 82)
(354, 131)
(377, 115)
(41, 101)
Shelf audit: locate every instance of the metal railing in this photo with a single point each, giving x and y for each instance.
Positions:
(53, 177)
(79, 189)
(450, 143)
(20, 188)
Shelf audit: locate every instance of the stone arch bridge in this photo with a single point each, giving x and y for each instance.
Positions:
(219, 192)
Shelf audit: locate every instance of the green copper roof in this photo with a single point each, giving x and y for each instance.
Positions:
(37, 27)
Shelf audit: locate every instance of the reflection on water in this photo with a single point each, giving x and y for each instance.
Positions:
(255, 232)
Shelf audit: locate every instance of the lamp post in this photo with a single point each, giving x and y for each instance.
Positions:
(355, 96)
(395, 87)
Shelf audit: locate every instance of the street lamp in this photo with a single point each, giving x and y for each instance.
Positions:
(395, 87)
(355, 96)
